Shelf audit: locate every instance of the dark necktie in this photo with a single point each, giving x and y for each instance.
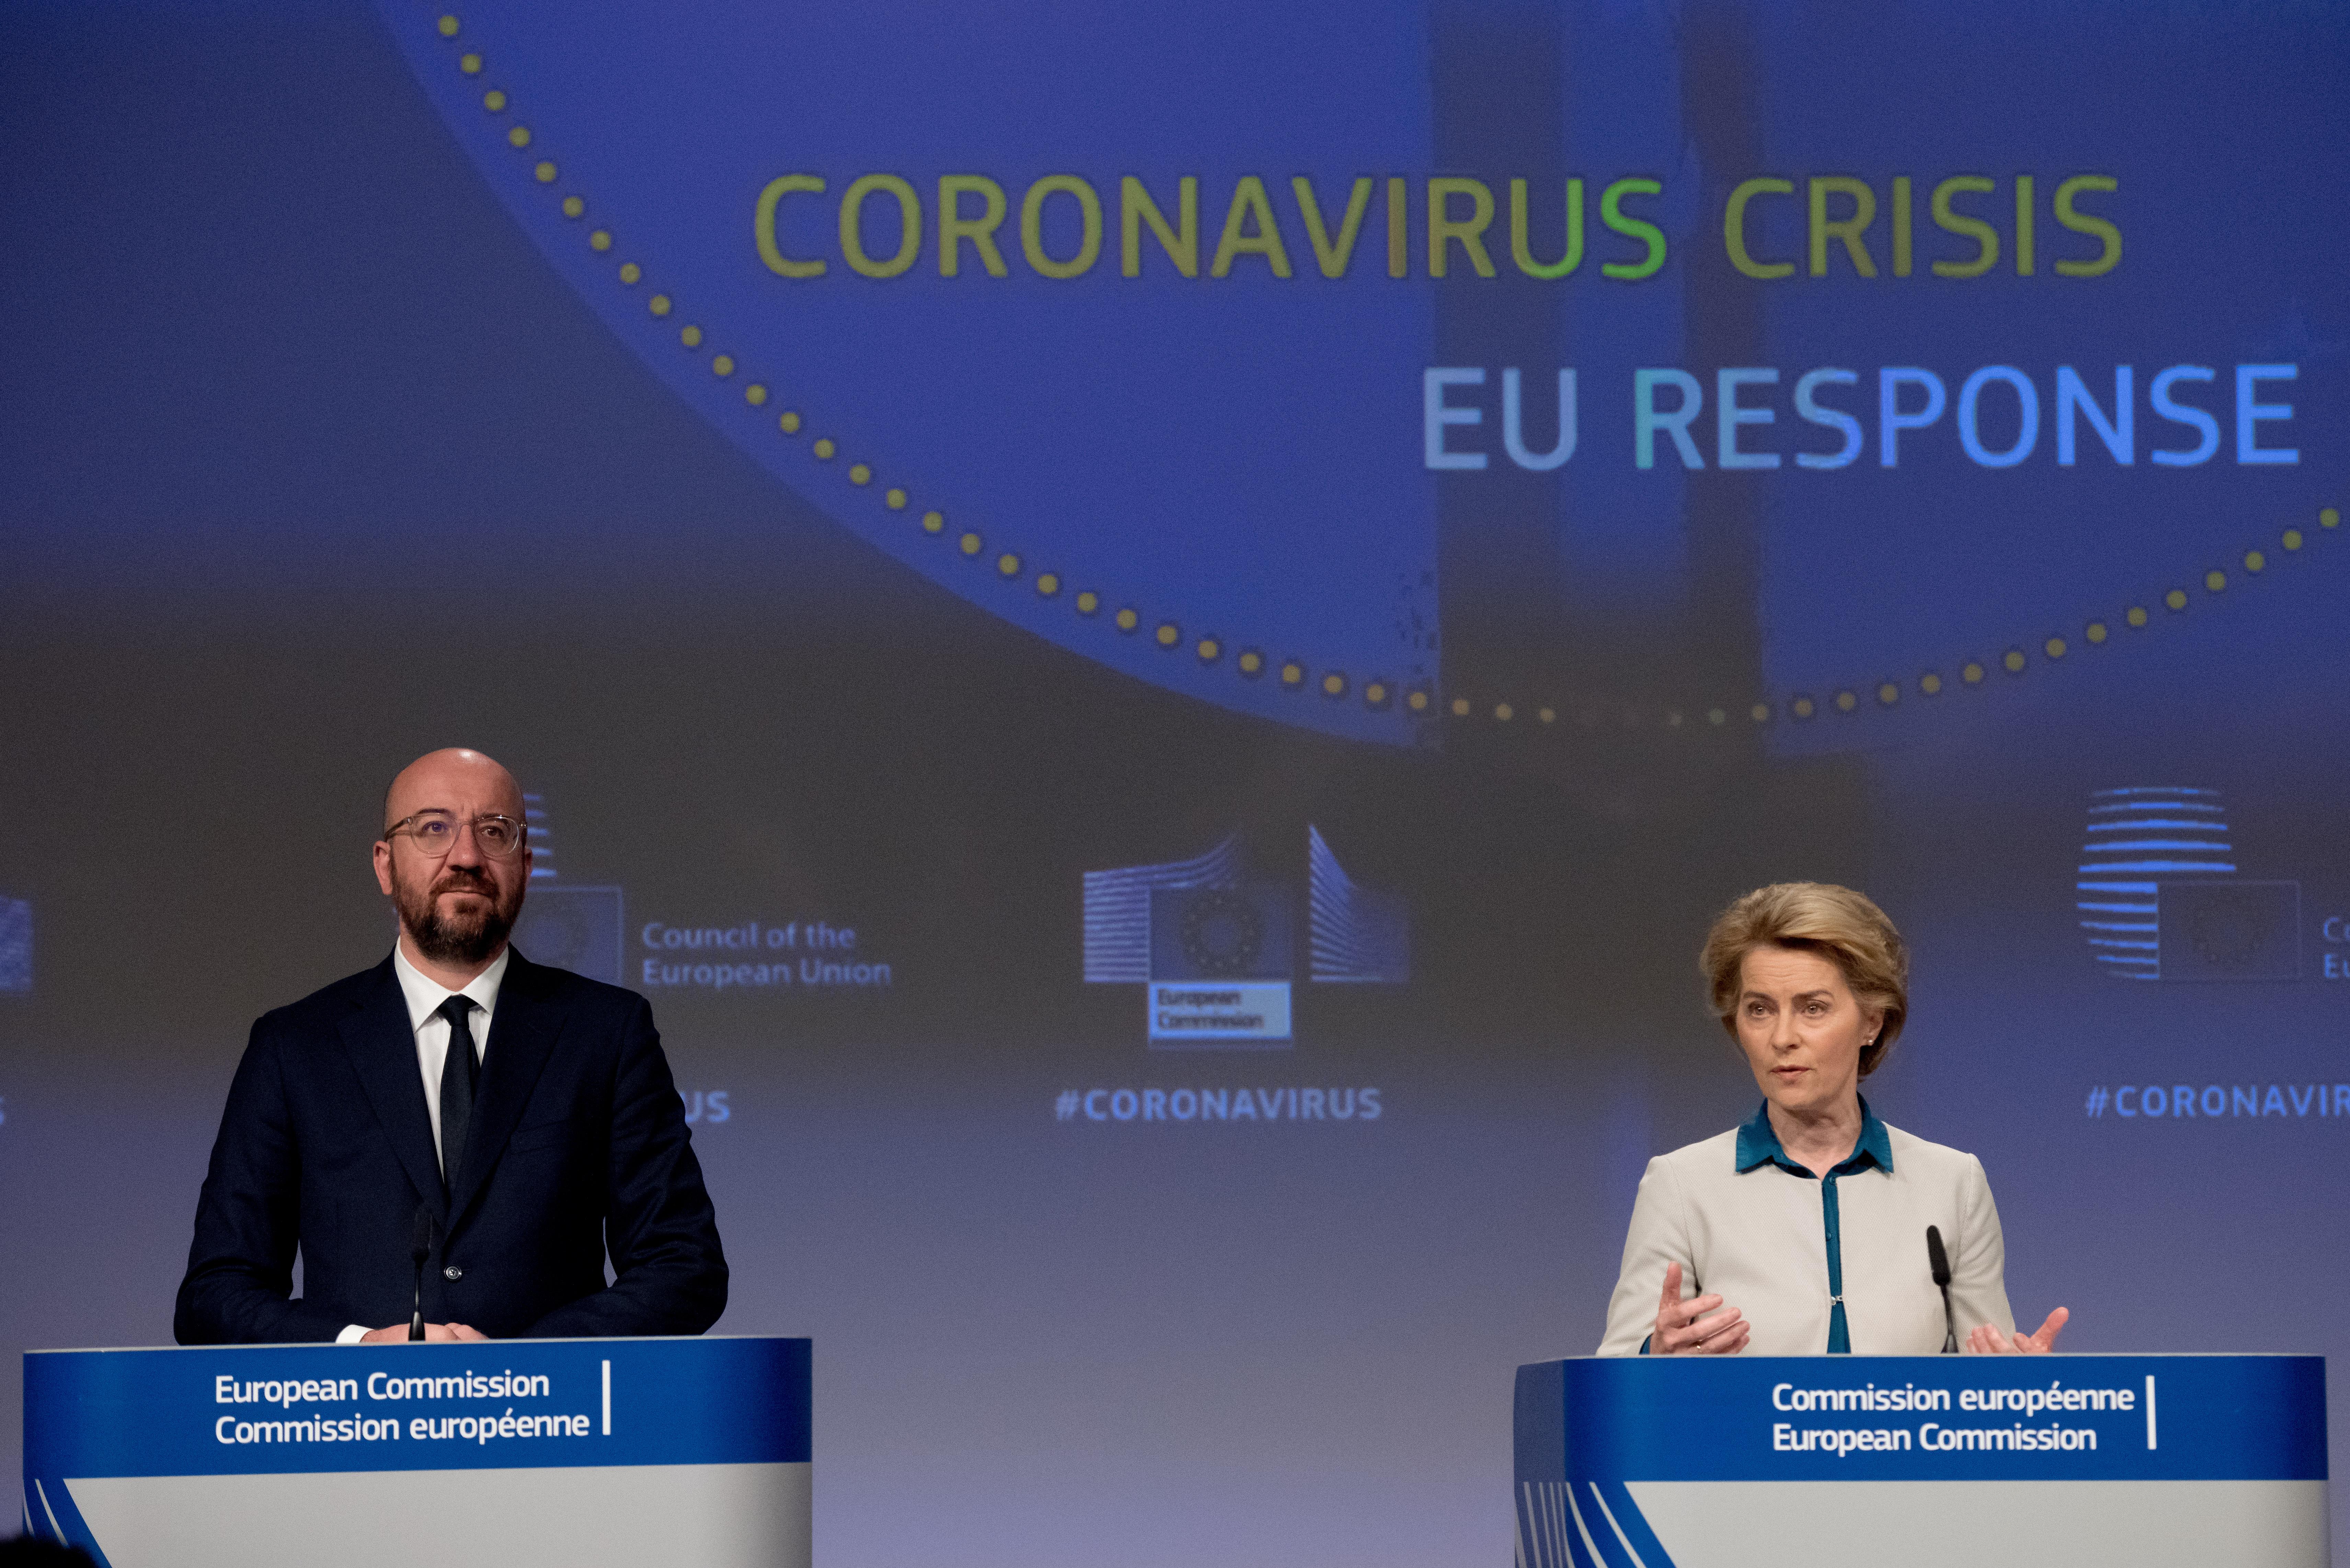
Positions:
(460, 1073)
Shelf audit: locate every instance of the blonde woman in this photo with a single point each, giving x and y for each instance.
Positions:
(1804, 1231)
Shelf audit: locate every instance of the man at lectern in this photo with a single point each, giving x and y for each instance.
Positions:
(453, 1138)
(1814, 1227)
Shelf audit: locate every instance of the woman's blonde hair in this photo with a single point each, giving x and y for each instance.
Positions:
(1837, 923)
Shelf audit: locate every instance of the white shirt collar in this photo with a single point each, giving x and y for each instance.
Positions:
(425, 994)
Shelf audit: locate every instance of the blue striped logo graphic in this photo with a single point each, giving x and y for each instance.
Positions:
(1358, 936)
(1117, 909)
(2138, 838)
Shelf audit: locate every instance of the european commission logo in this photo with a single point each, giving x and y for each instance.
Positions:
(2159, 899)
(1217, 950)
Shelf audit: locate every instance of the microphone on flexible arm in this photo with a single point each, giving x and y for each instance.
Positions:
(419, 1247)
(1939, 1261)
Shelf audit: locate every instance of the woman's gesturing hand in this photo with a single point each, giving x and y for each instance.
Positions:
(1694, 1327)
(1985, 1340)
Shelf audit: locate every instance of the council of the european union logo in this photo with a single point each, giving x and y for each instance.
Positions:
(2158, 897)
(1216, 949)
(16, 946)
(566, 926)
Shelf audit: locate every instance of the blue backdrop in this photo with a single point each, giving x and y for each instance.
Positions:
(1162, 787)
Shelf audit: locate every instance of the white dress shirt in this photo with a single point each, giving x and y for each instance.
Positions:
(425, 996)
(1758, 1238)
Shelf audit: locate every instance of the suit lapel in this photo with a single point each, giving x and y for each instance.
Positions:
(523, 1033)
(382, 1049)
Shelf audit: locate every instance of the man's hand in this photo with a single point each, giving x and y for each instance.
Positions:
(1683, 1327)
(1986, 1340)
(434, 1333)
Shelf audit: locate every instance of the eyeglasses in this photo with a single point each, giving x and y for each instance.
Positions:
(435, 834)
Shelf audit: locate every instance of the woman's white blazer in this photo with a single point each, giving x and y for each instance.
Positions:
(1758, 1239)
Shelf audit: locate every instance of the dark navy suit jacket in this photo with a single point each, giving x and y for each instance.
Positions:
(577, 1142)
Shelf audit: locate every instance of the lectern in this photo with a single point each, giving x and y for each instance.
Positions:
(1854, 1461)
(584, 1452)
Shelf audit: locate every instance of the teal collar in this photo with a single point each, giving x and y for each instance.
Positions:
(1758, 1144)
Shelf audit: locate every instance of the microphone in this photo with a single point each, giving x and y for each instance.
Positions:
(419, 1247)
(1939, 1261)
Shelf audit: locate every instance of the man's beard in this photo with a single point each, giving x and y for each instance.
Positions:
(462, 938)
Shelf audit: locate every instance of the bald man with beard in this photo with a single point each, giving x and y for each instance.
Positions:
(518, 1121)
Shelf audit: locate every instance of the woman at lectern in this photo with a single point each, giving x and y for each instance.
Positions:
(1804, 1230)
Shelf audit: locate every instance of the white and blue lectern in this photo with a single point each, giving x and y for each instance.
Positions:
(584, 1452)
(1869, 1461)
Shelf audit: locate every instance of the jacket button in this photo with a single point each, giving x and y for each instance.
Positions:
(452, 1273)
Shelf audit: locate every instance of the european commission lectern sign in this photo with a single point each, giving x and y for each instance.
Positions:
(1691, 1463)
(583, 1452)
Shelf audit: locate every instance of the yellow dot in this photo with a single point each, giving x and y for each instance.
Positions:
(1375, 693)
(1971, 673)
(1008, 565)
(1716, 717)
(2053, 648)
(1845, 701)
(1930, 684)
(722, 366)
(1088, 602)
(546, 172)
(970, 543)
(860, 474)
(934, 522)
(2176, 598)
(690, 337)
(2215, 581)
(631, 271)
(2014, 660)
(1548, 715)
(1127, 620)
(1169, 634)
(788, 422)
(2329, 518)
(1804, 709)
(448, 26)
(1209, 650)
(824, 448)
(1889, 693)
(573, 207)
(2136, 616)
(519, 136)
(469, 64)
(601, 240)
(1048, 583)
(1334, 685)
(895, 500)
(2293, 538)
(659, 305)
(1760, 712)
(2254, 561)
(1673, 720)
(1418, 702)
(2095, 631)
(495, 102)
(1250, 662)
(756, 395)
(1292, 673)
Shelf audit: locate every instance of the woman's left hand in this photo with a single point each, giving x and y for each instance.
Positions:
(1988, 1340)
